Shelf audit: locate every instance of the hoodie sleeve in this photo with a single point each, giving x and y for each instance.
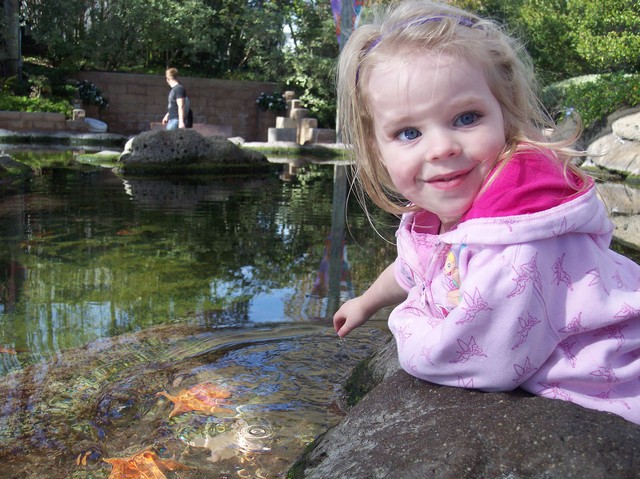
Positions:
(500, 331)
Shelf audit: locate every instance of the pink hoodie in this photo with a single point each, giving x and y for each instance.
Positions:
(525, 292)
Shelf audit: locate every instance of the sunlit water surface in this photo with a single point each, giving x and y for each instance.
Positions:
(113, 290)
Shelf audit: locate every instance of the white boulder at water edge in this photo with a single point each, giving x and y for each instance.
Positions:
(617, 150)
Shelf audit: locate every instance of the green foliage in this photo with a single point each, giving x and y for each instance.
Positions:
(606, 35)
(40, 86)
(12, 85)
(58, 27)
(568, 38)
(271, 102)
(544, 27)
(91, 94)
(10, 102)
(312, 57)
(503, 11)
(224, 39)
(594, 97)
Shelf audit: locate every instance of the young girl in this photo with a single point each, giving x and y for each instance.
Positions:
(503, 275)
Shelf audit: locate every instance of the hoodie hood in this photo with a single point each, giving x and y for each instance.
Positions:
(530, 197)
(585, 214)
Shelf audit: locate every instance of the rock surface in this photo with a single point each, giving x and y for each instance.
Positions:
(623, 203)
(618, 150)
(185, 147)
(407, 428)
(13, 172)
(627, 127)
(614, 153)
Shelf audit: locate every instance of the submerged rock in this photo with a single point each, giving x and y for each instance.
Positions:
(408, 428)
(13, 172)
(185, 149)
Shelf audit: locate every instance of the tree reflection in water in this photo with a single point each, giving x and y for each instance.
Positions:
(113, 290)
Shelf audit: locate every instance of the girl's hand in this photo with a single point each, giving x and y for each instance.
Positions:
(350, 315)
(385, 291)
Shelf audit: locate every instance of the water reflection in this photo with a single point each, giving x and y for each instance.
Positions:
(187, 193)
(113, 290)
(89, 255)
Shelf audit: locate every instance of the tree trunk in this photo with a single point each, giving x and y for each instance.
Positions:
(10, 47)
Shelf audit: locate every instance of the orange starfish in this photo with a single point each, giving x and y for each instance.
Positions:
(143, 465)
(205, 398)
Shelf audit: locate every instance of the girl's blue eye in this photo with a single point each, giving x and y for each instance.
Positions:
(466, 119)
(408, 134)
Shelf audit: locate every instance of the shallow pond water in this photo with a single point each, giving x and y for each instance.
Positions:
(113, 290)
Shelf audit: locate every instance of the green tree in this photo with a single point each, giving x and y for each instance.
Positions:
(545, 28)
(222, 38)
(9, 37)
(58, 26)
(567, 38)
(312, 56)
(606, 35)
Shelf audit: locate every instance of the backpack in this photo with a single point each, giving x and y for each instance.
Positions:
(188, 121)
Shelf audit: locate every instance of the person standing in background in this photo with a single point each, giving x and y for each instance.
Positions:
(177, 102)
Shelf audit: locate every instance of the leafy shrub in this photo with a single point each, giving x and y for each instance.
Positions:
(272, 102)
(593, 97)
(14, 86)
(40, 86)
(24, 103)
(91, 94)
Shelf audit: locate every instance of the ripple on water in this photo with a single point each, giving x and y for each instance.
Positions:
(100, 401)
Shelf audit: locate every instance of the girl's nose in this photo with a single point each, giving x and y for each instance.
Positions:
(442, 145)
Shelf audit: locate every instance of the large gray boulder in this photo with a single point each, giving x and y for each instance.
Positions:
(159, 150)
(618, 151)
(623, 202)
(406, 428)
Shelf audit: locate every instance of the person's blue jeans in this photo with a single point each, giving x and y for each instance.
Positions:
(173, 124)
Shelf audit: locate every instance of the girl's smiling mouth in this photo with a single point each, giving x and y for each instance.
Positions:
(448, 181)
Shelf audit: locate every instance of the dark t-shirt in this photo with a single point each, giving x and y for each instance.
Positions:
(176, 92)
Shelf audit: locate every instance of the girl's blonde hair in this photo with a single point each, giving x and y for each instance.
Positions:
(437, 27)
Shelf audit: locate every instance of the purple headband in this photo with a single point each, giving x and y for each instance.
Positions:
(465, 22)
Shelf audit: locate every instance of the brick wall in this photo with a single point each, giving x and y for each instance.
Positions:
(135, 101)
(21, 120)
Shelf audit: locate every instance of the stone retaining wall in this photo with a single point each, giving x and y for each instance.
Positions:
(38, 121)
